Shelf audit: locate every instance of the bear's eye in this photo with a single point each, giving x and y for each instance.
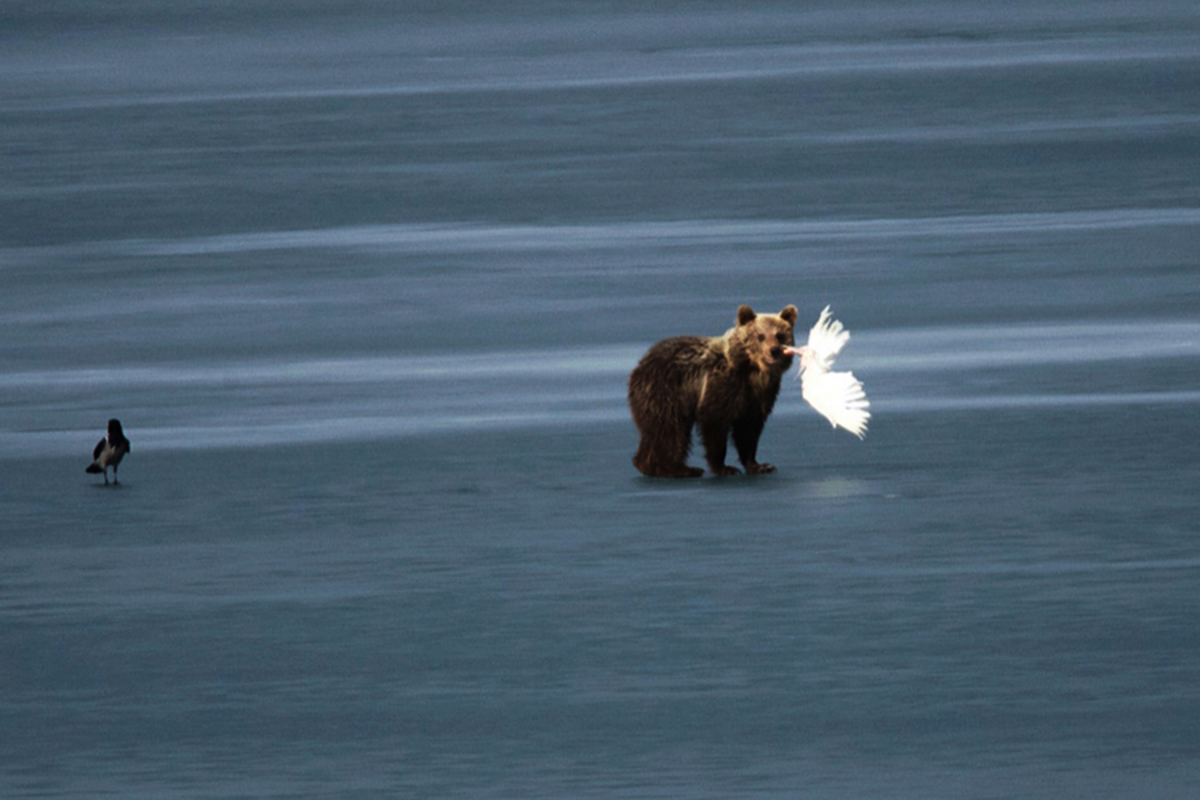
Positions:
(781, 338)
(762, 337)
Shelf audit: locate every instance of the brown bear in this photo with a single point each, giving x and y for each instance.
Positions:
(725, 385)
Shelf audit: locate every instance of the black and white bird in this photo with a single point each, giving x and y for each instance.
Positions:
(109, 451)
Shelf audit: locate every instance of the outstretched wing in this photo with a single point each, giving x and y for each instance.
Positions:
(837, 396)
(826, 340)
(99, 448)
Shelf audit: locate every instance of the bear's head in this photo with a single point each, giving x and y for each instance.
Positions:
(761, 338)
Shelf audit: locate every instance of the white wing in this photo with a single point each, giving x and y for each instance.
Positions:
(838, 396)
(826, 340)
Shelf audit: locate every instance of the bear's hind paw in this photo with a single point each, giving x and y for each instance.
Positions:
(759, 469)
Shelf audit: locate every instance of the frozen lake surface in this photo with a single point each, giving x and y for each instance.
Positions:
(365, 287)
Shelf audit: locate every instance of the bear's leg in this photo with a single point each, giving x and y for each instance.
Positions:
(663, 420)
(746, 433)
(716, 443)
(663, 452)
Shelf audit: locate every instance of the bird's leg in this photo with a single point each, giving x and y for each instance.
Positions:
(115, 481)
(804, 352)
(106, 476)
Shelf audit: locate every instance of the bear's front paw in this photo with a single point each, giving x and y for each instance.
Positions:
(726, 470)
(759, 469)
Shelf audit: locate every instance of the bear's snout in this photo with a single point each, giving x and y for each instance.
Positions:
(778, 352)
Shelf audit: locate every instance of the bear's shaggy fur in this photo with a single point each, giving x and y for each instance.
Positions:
(725, 385)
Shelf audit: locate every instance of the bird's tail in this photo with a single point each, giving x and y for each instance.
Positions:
(95, 468)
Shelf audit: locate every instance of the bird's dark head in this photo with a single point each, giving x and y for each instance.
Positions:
(114, 428)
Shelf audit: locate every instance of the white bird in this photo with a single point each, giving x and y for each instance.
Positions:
(838, 396)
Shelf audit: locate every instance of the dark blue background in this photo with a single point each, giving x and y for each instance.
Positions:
(364, 287)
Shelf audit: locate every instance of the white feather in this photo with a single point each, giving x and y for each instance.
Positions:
(838, 396)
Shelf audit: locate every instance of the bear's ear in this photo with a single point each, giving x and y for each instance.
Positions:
(746, 314)
(789, 314)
